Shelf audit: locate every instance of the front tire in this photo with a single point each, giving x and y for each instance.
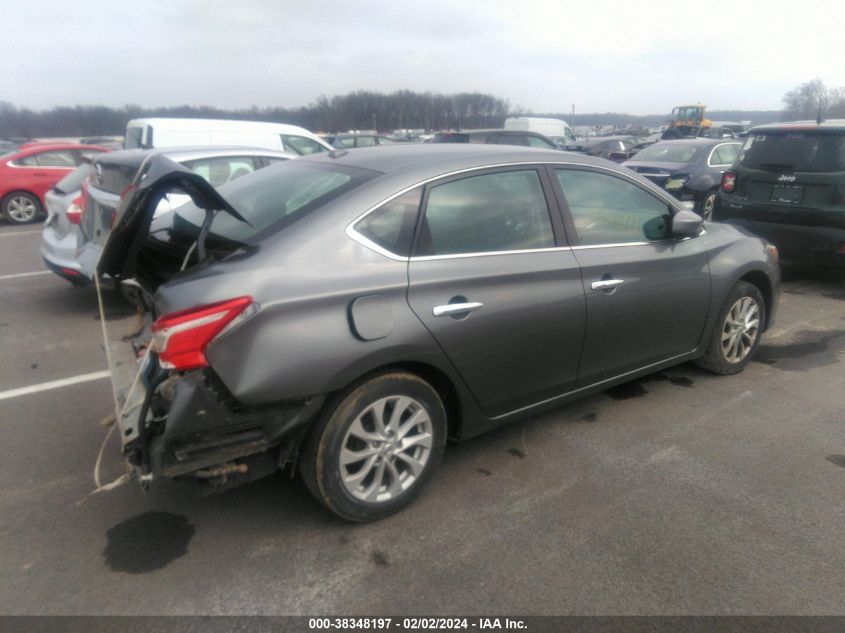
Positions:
(375, 447)
(737, 333)
(20, 207)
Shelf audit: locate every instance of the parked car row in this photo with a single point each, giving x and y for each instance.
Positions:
(346, 312)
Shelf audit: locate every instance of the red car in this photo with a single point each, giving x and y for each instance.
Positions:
(27, 175)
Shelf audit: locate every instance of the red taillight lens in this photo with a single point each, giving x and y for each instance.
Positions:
(75, 211)
(180, 338)
(729, 181)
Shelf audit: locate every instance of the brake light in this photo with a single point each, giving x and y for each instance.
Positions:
(75, 210)
(180, 338)
(729, 181)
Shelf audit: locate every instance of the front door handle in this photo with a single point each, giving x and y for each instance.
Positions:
(455, 308)
(606, 284)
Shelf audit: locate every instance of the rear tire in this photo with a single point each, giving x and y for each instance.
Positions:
(708, 203)
(375, 447)
(20, 207)
(737, 332)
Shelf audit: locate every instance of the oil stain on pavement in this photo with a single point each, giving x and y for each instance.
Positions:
(635, 388)
(794, 356)
(838, 460)
(147, 542)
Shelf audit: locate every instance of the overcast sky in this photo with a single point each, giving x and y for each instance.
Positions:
(629, 56)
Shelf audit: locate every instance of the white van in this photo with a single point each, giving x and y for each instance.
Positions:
(174, 132)
(557, 130)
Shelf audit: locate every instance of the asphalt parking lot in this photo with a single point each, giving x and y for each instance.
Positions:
(684, 493)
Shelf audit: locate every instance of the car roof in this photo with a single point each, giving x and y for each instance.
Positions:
(52, 147)
(702, 141)
(431, 159)
(830, 124)
(134, 157)
(492, 130)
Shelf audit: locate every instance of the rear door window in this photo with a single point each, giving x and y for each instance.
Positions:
(62, 158)
(724, 154)
(608, 210)
(802, 151)
(56, 159)
(500, 211)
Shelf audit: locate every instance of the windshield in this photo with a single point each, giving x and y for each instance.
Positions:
(807, 151)
(669, 152)
(272, 198)
(689, 112)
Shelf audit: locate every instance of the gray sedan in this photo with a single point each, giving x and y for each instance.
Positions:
(347, 313)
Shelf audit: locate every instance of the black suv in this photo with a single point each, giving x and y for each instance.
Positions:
(496, 137)
(788, 186)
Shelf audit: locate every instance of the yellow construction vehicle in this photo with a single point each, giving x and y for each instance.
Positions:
(687, 120)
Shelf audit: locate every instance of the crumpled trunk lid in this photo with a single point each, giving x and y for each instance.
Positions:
(136, 208)
(126, 340)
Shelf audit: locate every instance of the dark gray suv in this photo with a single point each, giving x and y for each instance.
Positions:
(349, 312)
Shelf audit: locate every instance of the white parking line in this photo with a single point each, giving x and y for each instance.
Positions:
(32, 274)
(13, 233)
(54, 384)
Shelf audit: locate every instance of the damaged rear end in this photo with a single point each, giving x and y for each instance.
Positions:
(176, 417)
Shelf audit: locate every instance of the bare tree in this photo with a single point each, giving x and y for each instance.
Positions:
(813, 99)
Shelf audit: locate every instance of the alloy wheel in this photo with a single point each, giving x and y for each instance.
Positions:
(21, 209)
(707, 206)
(386, 449)
(740, 330)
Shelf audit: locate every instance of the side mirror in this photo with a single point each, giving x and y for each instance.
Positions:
(686, 223)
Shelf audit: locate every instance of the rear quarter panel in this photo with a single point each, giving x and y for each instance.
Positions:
(302, 341)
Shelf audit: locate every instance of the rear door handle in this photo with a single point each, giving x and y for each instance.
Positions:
(455, 308)
(606, 284)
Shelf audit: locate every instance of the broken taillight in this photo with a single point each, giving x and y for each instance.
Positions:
(75, 210)
(180, 338)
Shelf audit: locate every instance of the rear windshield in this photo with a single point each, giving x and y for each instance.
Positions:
(273, 197)
(808, 151)
(450, 137)
(669, 152)
(73, 181)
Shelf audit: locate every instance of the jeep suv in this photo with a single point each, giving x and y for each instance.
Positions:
(788, 186)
